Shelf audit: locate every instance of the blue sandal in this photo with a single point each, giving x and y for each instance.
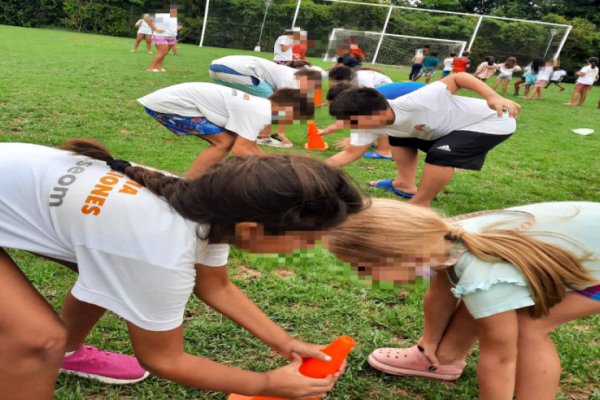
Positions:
(387, 185)
(373, 155)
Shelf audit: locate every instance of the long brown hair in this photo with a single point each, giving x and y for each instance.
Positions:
(390, 229)
(510, 62)
(281, 192)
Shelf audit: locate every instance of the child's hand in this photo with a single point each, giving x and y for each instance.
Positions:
(342, 144)
(304, 349)
(289, 383)
(500, 104)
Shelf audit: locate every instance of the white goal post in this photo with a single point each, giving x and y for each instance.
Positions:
(390, 49)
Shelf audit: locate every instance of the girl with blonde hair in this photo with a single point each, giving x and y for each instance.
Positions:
(506, 278)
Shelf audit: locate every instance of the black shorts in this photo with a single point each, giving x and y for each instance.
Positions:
(459, 149)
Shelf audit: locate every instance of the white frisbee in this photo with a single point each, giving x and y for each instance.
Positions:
(583, 131)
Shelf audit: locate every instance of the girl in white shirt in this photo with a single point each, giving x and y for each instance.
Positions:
(586, 78)
(542, 79)
(144, 31)
(507, 68)
(142, 242)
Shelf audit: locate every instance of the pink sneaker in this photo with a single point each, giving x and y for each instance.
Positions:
(411, 362)
(112, 368)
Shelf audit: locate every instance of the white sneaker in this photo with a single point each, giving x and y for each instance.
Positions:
(276, 141)
(263, 141)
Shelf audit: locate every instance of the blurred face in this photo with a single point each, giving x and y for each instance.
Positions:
(307, 85)
(250, 236)
(282, 114)
(377, 120)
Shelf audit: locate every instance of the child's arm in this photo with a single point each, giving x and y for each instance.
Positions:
(163, 354)
(439, 305)
(152, 26)
(138, 23)
(350, 154)
(496, 102)
(498, 335)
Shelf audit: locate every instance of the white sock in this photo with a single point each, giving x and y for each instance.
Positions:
(69, 353)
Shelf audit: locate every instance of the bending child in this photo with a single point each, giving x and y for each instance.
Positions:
(142, 242)
(228, 119)
(261, 77)
(506, 278)
(454, 131)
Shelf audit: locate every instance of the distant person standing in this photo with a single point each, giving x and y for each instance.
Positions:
(430, 63)
(448, 63)
(586, 78)
(462, 63)
(283, 50)
(299, 49)
(144, 31)
(164, 36)
(418, 62)
(486, 69)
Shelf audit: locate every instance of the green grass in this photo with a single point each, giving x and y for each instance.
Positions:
(56, 85)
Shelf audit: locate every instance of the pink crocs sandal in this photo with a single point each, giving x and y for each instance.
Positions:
(411, 362)
(112, 368)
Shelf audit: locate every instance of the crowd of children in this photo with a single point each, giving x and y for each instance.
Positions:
(495, 277)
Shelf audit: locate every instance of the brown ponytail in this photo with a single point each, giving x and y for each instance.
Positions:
(281, 192)
(390, 230)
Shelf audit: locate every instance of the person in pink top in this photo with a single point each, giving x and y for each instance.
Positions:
(486, 69)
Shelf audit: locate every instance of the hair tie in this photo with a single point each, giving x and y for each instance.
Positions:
(455, 233)
(118, 165)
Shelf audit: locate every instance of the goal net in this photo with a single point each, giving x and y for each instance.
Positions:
(389, 49)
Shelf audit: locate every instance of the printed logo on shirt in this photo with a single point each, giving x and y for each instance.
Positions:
(444, 147)
(59, 192)
(98, 196)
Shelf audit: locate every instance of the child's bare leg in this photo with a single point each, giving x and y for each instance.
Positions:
(584, 92)
(517, 87)
(427, 78)
(435, 178)
(576, 93)
(149, 43)
(504, 87)
(496, 84)
(538, 364)
(220, 145)
(32, 337)
(459, 337)
(138, 39)
(527, 87)
(161, 52)
(79, 319)
(383, 146)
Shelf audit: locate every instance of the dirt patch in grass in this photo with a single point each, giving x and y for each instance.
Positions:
(246, 273)
(284, 272)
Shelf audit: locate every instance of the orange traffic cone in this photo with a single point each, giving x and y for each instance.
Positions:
(338, 350)
(315, 142)
(318, 97)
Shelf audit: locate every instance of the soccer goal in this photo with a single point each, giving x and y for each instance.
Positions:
(389, 49)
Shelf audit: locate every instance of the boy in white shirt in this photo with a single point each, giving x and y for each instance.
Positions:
(454, 131)
(557, 77)
(283, 48)
(229, 119)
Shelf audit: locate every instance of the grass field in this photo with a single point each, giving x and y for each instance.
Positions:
(56, 85)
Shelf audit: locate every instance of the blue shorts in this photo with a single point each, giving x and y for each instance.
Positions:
(529, 78)
(446, 73)
(185, 126)
(396, 89)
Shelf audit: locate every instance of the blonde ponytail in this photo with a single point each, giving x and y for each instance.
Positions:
(390, 230)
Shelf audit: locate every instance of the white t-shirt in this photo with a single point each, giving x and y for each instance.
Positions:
(448, 63)
(232, 109)
(167, 24)
(144, 28)
(370, 79)
(275, 75)
(508, 71)
(440, 112)
(557, 75)
(544, 73)
(280, 55)
(590, 75)
(135, 254)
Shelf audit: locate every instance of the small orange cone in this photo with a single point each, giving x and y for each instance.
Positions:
(318, 97)
(315, 142)
(315, 368)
